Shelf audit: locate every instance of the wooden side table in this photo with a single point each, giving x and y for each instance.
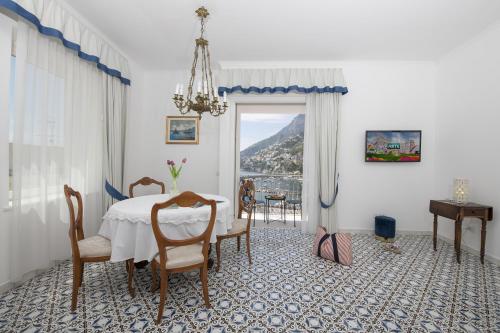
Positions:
(457, 212)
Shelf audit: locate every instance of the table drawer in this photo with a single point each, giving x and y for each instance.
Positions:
(475, 212)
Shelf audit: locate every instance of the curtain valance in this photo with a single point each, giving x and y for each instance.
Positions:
(51, 19)
(283, 80)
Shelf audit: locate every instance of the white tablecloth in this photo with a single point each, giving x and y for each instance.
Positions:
(128, 225)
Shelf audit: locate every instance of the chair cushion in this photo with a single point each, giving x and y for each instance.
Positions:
(182, 256)
(239, 225)
(95, 246)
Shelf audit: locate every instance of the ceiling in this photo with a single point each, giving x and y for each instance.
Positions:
(159, 34)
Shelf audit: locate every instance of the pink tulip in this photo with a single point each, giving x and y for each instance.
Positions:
(184, 160)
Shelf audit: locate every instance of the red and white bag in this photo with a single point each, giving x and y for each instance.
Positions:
(336, 247)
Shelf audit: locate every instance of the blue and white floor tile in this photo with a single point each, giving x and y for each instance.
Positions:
(287, 289)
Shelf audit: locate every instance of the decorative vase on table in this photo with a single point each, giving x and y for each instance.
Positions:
(175, 172)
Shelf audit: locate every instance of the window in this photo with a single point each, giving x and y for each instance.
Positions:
(42, 120)
(271, 151)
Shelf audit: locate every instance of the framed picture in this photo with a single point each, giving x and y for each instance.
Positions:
(183, 130)
(393, 146)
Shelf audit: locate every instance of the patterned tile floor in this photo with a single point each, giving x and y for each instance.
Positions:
(285, 290)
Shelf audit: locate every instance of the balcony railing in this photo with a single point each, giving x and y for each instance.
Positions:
(289, 185)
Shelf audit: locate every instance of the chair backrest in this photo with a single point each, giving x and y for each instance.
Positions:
(145, 181)
(113, 192)
(75, 219)
(246, 199)
(185, 199)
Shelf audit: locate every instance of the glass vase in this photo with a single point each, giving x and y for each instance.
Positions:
(174, 191)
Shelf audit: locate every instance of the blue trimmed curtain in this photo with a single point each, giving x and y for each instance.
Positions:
(53, 20)
(283, 80)
(68, 127)
(324, 88)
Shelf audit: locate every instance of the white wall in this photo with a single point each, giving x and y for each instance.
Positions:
(386, 96)
(147, 152)
(468, 121)
(382, 95)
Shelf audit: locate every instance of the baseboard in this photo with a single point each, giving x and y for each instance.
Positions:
(398, 232)
(470, 249)
(6, 286)
(28, 276)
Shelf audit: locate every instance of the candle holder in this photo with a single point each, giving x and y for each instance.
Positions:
(460, 190)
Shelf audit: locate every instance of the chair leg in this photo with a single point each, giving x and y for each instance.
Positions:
(163, 292)
(153, 276)
(130, 265)
(81, 274)
(204, 283)
(76, 284)
(248, 249)
(254, 212)
(294, 215)
(217, 247)
(238, 243)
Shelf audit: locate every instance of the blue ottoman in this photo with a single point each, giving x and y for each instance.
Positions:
(385, 228)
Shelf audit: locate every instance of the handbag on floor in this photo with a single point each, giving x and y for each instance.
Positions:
(336, 247)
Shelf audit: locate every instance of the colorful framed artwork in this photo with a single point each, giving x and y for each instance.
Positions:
(183, 130)
(393, 146)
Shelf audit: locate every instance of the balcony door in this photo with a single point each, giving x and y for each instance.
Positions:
(269, 150)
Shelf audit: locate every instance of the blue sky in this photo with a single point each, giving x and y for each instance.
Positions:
(257, 126)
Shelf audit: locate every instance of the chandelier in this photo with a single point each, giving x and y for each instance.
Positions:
(205, 99)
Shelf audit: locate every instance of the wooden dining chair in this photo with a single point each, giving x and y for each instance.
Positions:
(181, 255)
(240, 226)
(145, 181)
(87, 250)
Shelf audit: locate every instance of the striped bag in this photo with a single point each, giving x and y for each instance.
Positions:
(336, 247)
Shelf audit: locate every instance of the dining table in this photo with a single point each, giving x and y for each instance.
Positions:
(127, 224)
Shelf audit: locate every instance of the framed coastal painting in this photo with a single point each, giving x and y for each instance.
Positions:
(183, 130)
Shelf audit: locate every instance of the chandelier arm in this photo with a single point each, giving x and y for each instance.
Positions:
(193, 74)
(205, 74)
(210, 73)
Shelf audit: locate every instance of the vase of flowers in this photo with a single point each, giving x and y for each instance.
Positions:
(175, 172)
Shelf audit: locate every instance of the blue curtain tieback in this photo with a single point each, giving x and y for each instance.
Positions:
(325, 205)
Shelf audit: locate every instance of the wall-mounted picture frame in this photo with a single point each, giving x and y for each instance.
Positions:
(183, 130)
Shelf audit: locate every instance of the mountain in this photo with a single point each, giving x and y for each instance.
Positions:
(296, 127)
(281, 153)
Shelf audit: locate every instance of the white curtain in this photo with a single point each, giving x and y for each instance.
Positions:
(227, 154)
(323, 88)
(321, 135)
(52, 19)
(58, 138)
(114, 134)
(282, 80)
